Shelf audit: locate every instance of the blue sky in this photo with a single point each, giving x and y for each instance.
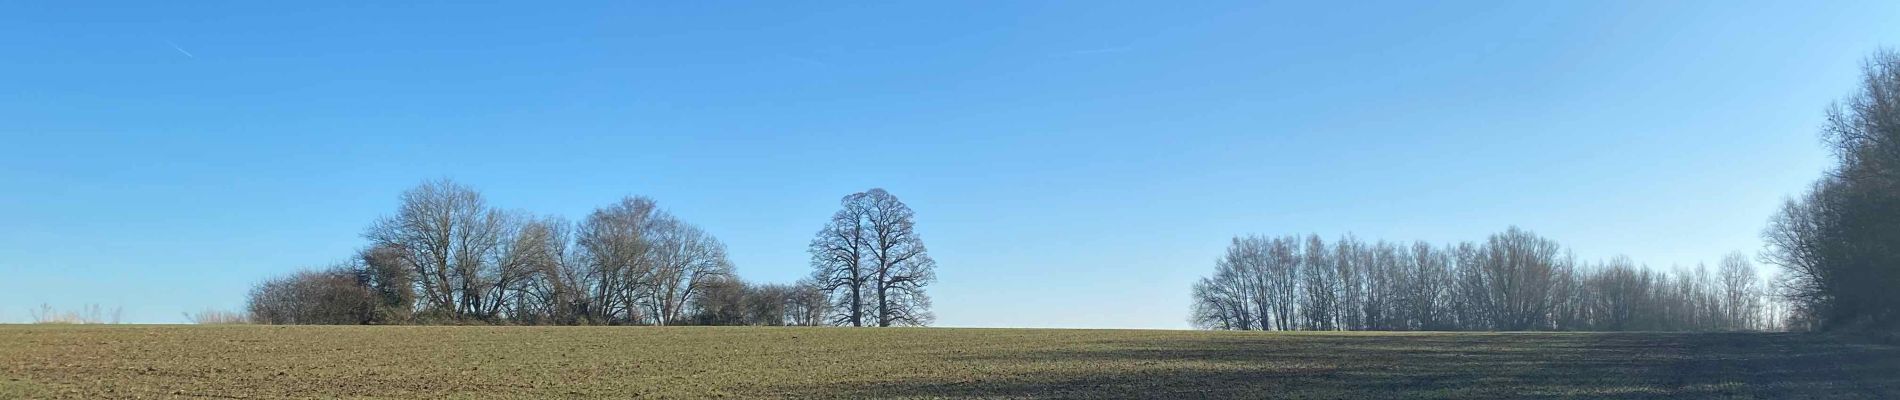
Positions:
(1072, 164)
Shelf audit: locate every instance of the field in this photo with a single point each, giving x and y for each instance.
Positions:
(695, 362)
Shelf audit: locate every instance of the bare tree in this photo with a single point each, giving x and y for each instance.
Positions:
(559, 287)
(1378, 263)
(1320, 280)
(1430, 282)
(1621, 295)
(1740, 293)
(1349, 266)
(839, 254)
(451, 237)
(900, 265)
(613, 258)
(807, 304)
(1283, 264)
(1517, 266)
(1567, 296)
(684, 259)
(312, 297)
(767, 304)
(1238, 278)
(1211, 309)
(722, 303)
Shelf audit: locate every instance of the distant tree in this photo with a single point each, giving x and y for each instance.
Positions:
(722, 303)
(313, 297)
(839, 259)
(453, 240)
(1211, 309)
(556, 289)
(1238, 284)
(1282, 284)
(1740, 294)
(89, 314)
(872, 262)
(1378, 264)
(614, 247)
(1567, 295)
(1320, 280)
(1621, 296)
(768, 304)
(217, 317)
(806, 304)
(900, 265)
(1430, 280)
(684, 260)
(390, 279)
(1517, 267)
(1349, 268)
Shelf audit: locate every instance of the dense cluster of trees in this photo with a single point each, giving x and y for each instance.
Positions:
(1839, 245)
(446, 256)
(1514, 280)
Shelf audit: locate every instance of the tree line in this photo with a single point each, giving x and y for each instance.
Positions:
(1839, 244)
(1512, 281)
(447, 257)
(1837, 247)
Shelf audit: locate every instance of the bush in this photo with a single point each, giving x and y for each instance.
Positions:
(326, 297)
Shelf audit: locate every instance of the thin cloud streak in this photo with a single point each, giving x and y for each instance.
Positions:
(1105, 50)
(181, 50)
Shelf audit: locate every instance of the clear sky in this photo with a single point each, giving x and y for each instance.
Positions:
(1071, 164)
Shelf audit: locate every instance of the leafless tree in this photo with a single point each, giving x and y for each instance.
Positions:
(1211, 309)
(447, 232)
(723, 302)
(839, 255)
(1239, 279)
(613, 260)
(1517, 266)
(558, 288)
(901, 267)
(312, 297)
(1349, 265)
(807, 304)
(1741, 293)
(1282, 285)
(1379, 263)
(1429, 287)
(1621, 295)
(768, 304)
(871, 260)
(1320, 280)
(684, 259)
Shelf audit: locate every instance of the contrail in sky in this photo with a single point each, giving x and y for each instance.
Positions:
(181, 50)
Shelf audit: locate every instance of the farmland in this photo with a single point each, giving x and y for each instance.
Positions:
(86, 361)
